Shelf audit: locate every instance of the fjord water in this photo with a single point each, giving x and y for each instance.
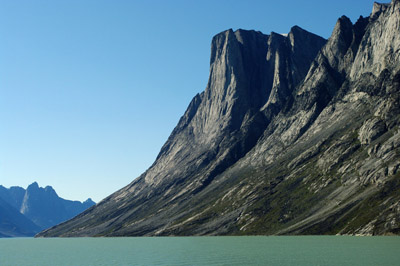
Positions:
(251, 250)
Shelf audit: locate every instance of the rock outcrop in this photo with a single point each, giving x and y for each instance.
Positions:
(293, 135)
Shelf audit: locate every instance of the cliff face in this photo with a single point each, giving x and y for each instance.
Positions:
(293, 135)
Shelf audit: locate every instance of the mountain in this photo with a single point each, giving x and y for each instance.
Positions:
(45, 208)
(292, 135)
(15, 224)
(35, 209)
(13, 196)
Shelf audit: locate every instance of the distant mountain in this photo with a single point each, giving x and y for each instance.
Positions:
(45, 208)
(40, 207)
(15, 224)
(13, 196)
(292, 135)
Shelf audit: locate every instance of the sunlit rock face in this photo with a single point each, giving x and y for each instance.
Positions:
(292, 135)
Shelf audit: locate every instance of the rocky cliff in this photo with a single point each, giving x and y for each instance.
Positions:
(293, 135)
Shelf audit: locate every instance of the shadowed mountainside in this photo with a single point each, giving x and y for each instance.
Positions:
(15, 224)
(27, 212)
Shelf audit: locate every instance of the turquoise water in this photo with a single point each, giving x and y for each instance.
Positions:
(280, 250)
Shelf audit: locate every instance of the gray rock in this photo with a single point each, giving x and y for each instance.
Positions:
(370, 130)
(292, 135)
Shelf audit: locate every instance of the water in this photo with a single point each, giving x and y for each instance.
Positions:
(281, 250)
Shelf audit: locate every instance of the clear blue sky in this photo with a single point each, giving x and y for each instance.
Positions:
(90, 90)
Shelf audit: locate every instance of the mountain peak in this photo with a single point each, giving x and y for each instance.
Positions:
(33, 186)
(89, 202)
(50, 190)
(248, 70)
(343, 23)
(296, 29)
(379, 7)
(282, 141)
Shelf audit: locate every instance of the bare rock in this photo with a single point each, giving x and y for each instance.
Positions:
(370, 130)
(292, 135)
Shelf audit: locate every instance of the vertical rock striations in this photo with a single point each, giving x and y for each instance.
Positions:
(292, 135)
